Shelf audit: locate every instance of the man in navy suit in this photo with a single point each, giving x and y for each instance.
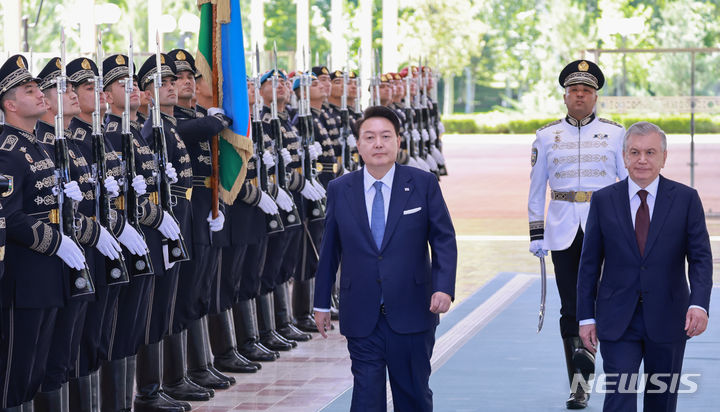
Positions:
(378, 225)
(639, 233)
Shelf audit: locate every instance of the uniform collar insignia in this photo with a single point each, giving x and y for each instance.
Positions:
(584, 122)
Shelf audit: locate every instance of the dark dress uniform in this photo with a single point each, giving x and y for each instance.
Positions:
(33, 286)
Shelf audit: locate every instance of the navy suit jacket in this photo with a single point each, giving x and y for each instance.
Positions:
(677, 233)
(404, 269)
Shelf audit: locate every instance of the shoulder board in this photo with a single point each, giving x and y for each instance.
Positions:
(9, 143)
(111, 127)
(610, 122)
(550, 124)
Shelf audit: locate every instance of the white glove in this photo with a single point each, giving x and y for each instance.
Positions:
(431, 163)
(72, 190)
(309, 192)
(312, 152)
(111, 185)
(107, 245)
(132, 240)
(169, 227)
(216, 224)
(139, 185)
(284, 201)
(215, 110)
(437, 155)
(319, 187)
(267, 204)
(351, 141)
(441, 128)
(268, 159)
(171, 173)
(536, 248)
(415, 135)
(412, 162)
(421, 164)
(318, 148)
(433, 135)
(425, 136)
(285, 153)
(70, 253)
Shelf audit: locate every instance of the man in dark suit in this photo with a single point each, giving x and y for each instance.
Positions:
(639, 233)
(392, 286)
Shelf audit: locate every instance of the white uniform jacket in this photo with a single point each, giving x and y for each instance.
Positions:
(571, 156)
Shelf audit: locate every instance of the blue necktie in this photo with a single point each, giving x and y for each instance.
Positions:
(377, 219)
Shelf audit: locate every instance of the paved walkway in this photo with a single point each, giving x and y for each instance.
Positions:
(487, 356)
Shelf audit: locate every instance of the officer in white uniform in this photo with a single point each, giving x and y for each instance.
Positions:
(575, 156)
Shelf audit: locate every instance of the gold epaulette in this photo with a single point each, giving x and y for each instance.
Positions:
(550, 124)
(610, 122)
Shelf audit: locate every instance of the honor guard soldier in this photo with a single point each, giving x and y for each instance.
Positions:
(140, 235)
(576, 156)
(94, 344)
(399, 109)
(33, 287)
(62, 362)
(196, 125)
(161, 134)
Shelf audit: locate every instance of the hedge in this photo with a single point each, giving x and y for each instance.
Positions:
(675, 124)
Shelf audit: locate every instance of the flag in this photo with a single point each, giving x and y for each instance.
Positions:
(215, 53)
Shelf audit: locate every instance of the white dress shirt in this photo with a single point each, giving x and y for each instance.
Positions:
(633, 189)
(368, 182)
(369, 190)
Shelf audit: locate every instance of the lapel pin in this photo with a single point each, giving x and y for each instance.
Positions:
(407, 189)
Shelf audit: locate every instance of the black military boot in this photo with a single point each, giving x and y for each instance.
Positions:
(283, 316)
(51, 401)
(130, 369)
(246, 331)
(303, 292)
(175, 381)
(149, 377)
(266, 325)
(578, 396)
(222, 342)
(197, 362)
(83, 393)
(208, 348)
(112, 386)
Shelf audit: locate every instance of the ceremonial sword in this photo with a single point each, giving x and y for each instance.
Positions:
(543, 292)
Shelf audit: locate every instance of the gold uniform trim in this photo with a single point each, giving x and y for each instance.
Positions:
(572, 196)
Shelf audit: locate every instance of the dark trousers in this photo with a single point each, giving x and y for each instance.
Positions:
(306, 265)
(27, 335)
(566, 264)
(65, 345)
(131, 317)
(251, 271)
(292, 254)
(163, 291)
(276, 249)
(195, 280)
(624, 356)
(406, 357)
(97, 329)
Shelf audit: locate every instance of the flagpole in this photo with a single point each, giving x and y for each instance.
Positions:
(215, 142)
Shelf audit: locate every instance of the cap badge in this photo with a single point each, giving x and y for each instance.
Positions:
(20, 62)
(180, 55)
(324, 70)
(120, 60)
(583, 66)
(85, 64)
(162, 59)
(58, 63)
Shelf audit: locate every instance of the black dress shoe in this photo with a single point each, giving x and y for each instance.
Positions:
(290, 332)
(283, 338)
(233, 364)
(578, 400)
(184, 406)
(207, 379)
(307, 324)
(255, 353)
(221, 375)
(186, 390)
(156, 403)
(272, 342)
(266, 350)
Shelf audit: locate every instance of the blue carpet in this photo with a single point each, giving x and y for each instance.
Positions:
(508, 367)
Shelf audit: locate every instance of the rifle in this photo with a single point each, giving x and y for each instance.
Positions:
(177, 251)
(273, 223)
(80, 281)
(115, 270)
(291, 218)
(141, 265)
(409, 115)
(307, 134)
(425, 110)
(417, 111)
(345, 132)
